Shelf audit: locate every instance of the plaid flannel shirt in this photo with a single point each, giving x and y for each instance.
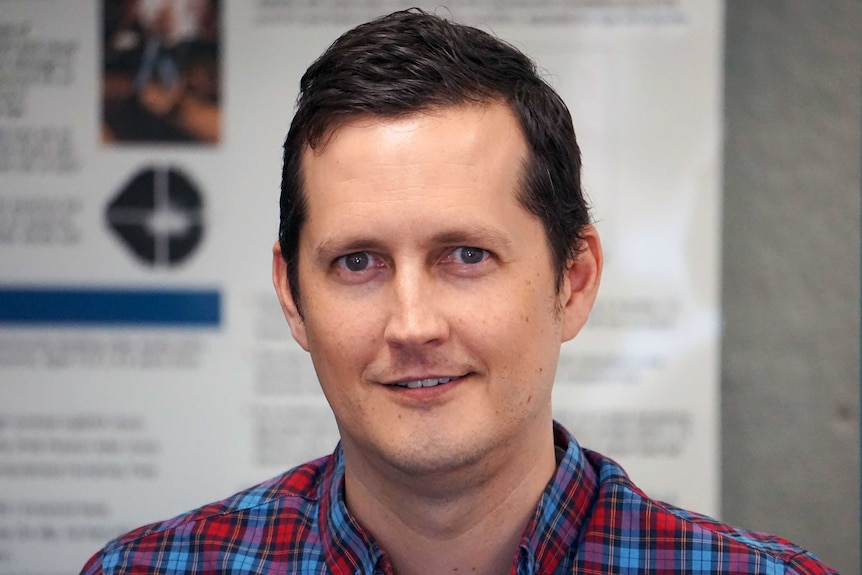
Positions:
(591, 520)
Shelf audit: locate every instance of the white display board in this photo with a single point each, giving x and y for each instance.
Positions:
(145, 366)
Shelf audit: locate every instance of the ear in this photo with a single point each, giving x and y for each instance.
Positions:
(581, 284)
(288, 306)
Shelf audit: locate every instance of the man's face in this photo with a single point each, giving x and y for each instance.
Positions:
(429, 299)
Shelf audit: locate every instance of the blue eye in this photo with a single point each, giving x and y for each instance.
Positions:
(356, 262)
(471, 255)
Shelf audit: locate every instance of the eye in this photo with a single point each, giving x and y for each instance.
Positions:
(355, 262)
(470, 255)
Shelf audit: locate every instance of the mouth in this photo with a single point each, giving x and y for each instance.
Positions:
(427, 382)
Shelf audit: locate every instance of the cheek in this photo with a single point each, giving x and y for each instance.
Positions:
(517, 332)
(335, 334)
(527, 309)
(525, 335)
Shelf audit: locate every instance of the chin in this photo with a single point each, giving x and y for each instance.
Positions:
(433, 456)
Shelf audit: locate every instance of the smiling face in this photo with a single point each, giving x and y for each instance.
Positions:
(429, 300)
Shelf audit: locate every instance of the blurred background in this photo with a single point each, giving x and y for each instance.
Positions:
(790, 272)
(152, 372)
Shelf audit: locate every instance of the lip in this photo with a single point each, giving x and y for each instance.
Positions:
(425, 394)
(402, 380)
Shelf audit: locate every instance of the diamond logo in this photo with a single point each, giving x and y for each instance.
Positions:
(158, 216)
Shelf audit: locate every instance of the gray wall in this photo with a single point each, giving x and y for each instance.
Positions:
(791, 253)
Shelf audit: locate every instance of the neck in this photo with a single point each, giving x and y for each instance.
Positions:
(465, 521)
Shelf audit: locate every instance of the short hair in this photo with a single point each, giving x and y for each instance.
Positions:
(412, 61)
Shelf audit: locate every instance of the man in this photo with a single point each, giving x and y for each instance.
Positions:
(434, 252)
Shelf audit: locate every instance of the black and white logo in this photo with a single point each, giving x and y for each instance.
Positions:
(158, 215)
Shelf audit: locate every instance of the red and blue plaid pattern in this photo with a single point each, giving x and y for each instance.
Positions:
(590, 520)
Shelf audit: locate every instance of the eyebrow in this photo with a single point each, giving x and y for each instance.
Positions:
(476, 236)
(480, 236)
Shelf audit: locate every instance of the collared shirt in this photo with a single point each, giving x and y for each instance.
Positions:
(591, 520)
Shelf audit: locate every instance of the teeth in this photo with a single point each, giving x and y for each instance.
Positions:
(425, 382)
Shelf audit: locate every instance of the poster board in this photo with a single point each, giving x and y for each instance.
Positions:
(145, 366)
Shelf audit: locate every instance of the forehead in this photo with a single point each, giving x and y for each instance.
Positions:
(460, 146)
(453, 176)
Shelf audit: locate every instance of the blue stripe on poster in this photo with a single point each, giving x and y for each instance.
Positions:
(110, 307)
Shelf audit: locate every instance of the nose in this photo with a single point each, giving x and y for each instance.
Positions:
(416, 318)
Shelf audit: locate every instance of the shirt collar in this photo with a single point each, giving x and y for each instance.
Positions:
(350, 549)
(559, 518)
(563, 509)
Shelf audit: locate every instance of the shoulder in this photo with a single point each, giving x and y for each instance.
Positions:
(631, 528)
(281, 511)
